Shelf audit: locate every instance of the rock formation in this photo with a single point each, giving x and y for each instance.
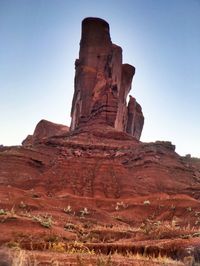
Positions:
(45, 129)
(98, 190)
(102, 83)
(135, 118)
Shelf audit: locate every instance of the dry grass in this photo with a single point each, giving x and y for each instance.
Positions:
(32, 258)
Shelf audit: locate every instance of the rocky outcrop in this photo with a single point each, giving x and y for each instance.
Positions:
(45, 129)
(135, 120)
(102, 83)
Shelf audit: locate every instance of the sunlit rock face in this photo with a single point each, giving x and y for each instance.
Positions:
(45, 129)
(102, 83)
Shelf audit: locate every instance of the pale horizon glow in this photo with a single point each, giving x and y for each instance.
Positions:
(40, 42)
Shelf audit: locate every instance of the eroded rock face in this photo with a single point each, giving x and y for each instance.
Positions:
(45, 129)
(102, 82)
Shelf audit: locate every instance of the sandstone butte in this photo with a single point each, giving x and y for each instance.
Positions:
(93, 193)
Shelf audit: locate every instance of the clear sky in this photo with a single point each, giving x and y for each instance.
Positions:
(39, 42)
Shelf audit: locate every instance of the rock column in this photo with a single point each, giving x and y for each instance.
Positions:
(102, 82)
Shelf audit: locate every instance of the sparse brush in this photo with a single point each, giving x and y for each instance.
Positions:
(14, 245)
(68, 209)
(84, 212)
(78, 247)
(104, 261)
(22, 205)
(162, 260)
(146, 202)
(3, 212)
(58, 247)
(120, 205)
(70, 227)
(45, 221)
(189, 209)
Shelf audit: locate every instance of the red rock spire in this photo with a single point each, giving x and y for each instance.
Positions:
(102, 82)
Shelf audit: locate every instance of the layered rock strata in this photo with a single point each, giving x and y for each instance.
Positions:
(102, 83)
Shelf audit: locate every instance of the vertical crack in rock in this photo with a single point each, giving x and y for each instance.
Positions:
(102, 83)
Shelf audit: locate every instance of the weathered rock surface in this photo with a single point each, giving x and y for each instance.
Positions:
(45, 129)
(102, 83)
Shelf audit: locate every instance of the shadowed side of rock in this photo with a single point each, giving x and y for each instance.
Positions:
(135, 120)
(102, 82)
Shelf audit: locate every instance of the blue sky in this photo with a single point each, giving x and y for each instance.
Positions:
(39, 42)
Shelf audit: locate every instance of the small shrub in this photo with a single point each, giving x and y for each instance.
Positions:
(120, 205)
(196, 234)
(3, 212)
(22, 205)
(189, 209)
(69, 227)
(84, 212)
(13, 244)
(146, 202)
(78, 247)
(104, 262)
(68, 209)
(187, 236)
(58, 247)
(45, 221)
